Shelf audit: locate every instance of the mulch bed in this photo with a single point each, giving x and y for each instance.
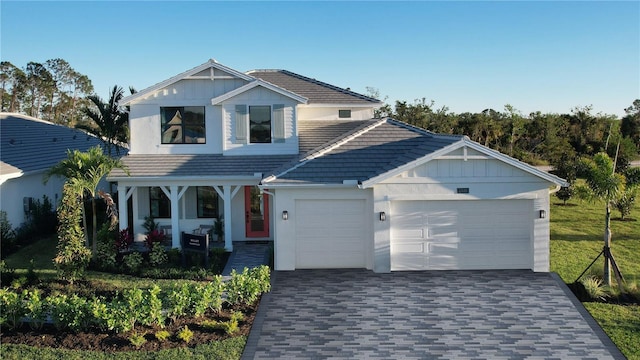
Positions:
(49, 336)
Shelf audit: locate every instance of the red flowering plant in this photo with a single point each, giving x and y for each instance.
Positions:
(124, 240)
(153, 237)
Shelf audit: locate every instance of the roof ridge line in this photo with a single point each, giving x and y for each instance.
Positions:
(331, 147)
(423, 131)
(318, 82)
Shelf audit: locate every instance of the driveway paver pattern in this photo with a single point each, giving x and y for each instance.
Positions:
(357, 314)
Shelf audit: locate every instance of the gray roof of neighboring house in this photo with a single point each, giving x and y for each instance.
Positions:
(369, 153)
(200, 165)
(317, 92)
(30, 145)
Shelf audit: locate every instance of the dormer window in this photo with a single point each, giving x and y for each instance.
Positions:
(183, 125)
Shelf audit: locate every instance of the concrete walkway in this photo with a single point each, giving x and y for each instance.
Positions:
(357, 314)
(246, 255)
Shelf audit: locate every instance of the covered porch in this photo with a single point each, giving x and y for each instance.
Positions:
(188, 206)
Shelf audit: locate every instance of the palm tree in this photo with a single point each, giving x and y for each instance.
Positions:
(605, 185)
(85, 170)
(110, 122)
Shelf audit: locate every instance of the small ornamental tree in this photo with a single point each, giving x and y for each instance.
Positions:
(605, 185)
(73, 257)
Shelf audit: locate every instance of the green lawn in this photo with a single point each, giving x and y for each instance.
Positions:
(576, 239)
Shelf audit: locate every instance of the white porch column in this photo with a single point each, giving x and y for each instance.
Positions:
(227, 196)
(175, 217)
(123, 217)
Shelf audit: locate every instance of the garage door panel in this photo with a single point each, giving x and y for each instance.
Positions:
(330, 233)
(479, 234)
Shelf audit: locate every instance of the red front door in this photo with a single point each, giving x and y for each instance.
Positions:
(256, 208)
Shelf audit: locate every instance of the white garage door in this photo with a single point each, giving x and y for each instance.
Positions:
(442, 235)
(330, 234)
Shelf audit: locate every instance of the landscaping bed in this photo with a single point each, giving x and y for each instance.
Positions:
(97, 340)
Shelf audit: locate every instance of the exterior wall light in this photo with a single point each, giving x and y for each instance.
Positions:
(543, 214)
(285, 215)
(383, 216)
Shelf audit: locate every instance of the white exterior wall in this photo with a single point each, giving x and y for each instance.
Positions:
(144, 118)
(285, 230)
(259, 96)
(439, 180)
(310, 112)
(12, 193)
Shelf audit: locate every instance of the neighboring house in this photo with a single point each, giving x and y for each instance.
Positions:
(289, 159)
(29, 147)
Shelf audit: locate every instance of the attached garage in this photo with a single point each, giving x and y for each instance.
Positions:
(330, 233)
(461, 235)
(391, 197)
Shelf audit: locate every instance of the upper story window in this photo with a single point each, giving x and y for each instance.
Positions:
(344, 114)
(183, 125)
(159, 203)
(260, 124)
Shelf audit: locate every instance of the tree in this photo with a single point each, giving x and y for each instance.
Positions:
(625, 200)
(630, 124)
(604, 184)
(72, 257)
(110, 122)
(85, 170)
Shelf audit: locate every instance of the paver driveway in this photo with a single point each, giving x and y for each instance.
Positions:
(316, 314)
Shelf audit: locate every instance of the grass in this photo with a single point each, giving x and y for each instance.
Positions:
(227, 349)
(576, 239)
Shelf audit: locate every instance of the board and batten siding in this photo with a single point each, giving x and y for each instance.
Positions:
(259, 97)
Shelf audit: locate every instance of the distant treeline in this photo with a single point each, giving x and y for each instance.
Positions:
(537, 138)
(54, 91)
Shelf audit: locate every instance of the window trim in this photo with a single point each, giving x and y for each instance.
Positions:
(183, 125)
(270, 106)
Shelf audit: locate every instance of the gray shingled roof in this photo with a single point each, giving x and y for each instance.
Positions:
(368, 154)
(31, 145)
(316, 133)
(200, 165)
(364, 149)
(316, 91)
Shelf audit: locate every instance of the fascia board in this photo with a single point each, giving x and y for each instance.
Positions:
(253, 84)
(148, 179)
(337, 105)
(307, 186)
(211, 63)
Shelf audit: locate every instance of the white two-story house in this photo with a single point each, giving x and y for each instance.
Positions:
(285, 158)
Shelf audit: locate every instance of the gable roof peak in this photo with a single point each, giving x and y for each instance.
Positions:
(208, 64)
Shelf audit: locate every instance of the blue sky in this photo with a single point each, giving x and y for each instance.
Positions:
(469, 56)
